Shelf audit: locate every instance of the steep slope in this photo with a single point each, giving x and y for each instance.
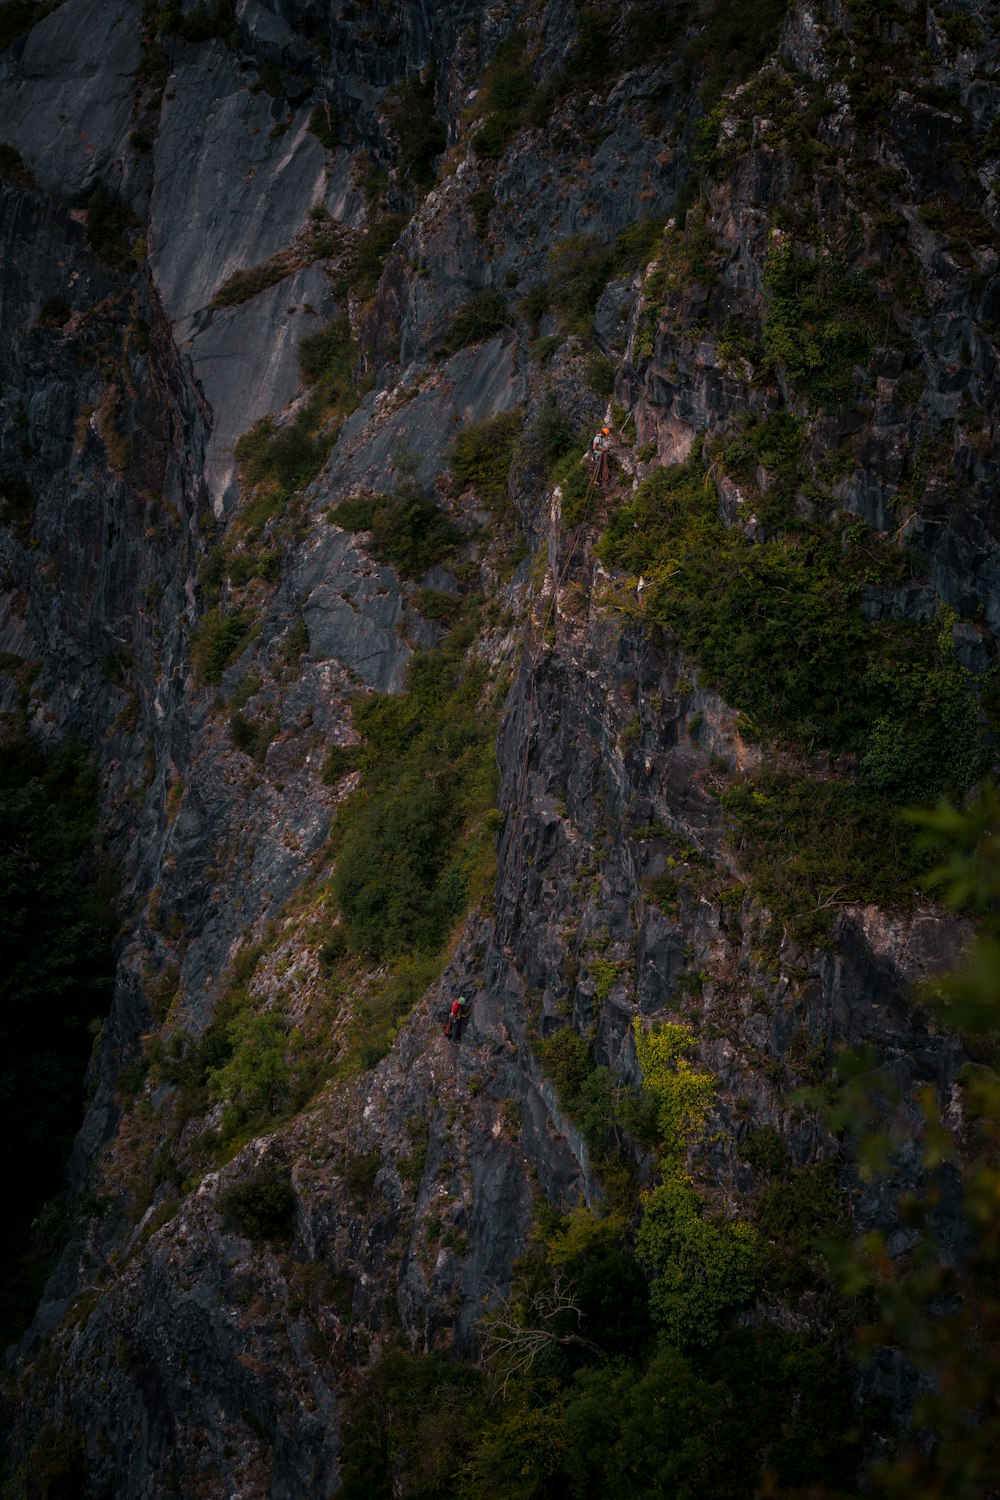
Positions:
(331, 335)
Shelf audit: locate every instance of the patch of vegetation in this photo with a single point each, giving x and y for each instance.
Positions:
(278, 461)
(484, 314)
(418, 130)
(481, 204)
(777, 625)
(108, 222)
(481, 458)
(370, 254)
(11, 160)
(407, 530)
(326, 125)
(54, 312)
(504, 98)
(412, 849)
(18, 17)
(221, 637)
(55, 949)
(812, 845)
(439, 607)
(252, 736)
(819, 321)
(263, 1207)
(242, 285)
(17, 505)
(338, 762)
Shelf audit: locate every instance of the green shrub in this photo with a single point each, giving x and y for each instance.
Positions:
(481, 205)
(325, 124)
(812, 844)
(289, 457)
(253, 738)
(219, 640)
(766, 1150)
(533, 307)
(408, 530)
(338, 762)
(54, 312)
(481, 457)
(418, 130)
(17, 505)
(359, 1174)
(254, 1081)
(483, 315)
(326, 360)
(372, 252)
(264, 1207)
(600, 374)
(242, 285)
(411, 840)
(504, 98)
(437, 606)
(579, 269)
(819, 321)
(777, 624)
(703, 1271)
(108, 221)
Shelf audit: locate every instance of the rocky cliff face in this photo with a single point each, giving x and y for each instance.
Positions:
(210, 636)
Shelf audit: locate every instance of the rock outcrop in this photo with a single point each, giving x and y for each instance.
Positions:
(190, 1357)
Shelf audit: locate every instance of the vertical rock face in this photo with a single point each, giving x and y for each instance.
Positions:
(189, 1356)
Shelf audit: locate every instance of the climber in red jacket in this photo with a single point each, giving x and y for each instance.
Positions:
(456, 1019)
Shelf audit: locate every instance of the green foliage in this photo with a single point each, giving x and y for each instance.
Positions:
(108, 221)
(406, 1429)
(939, 1311)
(579, 269)
(481, 205)
(412, 840)
(11, 160)
(285, 458)
(419, 131)
(359, 1174)
(813, 843)
(338, 762)
(439, 606)
(220, 639)
(800, 1211)
(57, 965)
(54, 312)
(17, 17)
(264, 1206)
(481, 458)
(242, 285)
(683, 1095)
(588, 61)
(819, 321)
(17, 505)
(733, 43)
(777, 625)
(600, 374)
(504, 98)
(252, 736)
(483, 315)
(326, 361)
(371, 253)
(703, 1271)
(407, 529)
(325, 124)
(254, 1081)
